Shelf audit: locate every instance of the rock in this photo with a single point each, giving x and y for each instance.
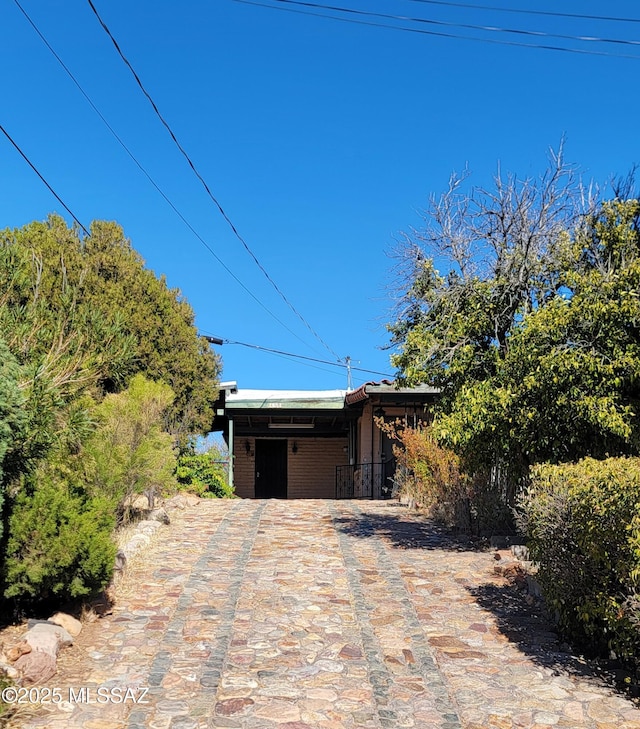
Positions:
(138, 502)
(36, 667)
(520, 551)
(350, 651)
(160, 515)
(533, 587)
(182, 501)
(6, 669)
(14, 653)
(515, 574)
(234, 706)
(148, 526)
(136, 542)
(69, 623)
(47, 638)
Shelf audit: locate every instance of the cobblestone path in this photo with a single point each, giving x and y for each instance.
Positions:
(321, 615)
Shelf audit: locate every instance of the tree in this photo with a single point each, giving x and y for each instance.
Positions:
(498, 248)
(102, 374)
(85, 313)
(532, 335)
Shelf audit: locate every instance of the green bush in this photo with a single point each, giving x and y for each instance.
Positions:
(202, 474)
(583, 525)
(129, 452)
(60, 543)
(11, 417)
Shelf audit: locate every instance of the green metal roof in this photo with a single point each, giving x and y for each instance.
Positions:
(286, 400)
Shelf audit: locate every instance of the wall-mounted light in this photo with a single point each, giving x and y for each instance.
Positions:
(247, 447)
(294, 447)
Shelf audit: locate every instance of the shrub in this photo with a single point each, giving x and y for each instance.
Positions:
(11, 416)
(428, 474)
(59, 542)
(583, 525)
(203, 474)
(129, 452)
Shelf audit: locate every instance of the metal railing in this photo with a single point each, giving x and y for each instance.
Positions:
(363, 481)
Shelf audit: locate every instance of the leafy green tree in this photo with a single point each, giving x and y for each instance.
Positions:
(167, 346)
(498, 248)
(538, 357)
(82, 426)
(84, 313)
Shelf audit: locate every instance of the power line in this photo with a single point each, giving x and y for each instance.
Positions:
(258, 347)
(547, 13)
(438, 34)
(449, 24)
(204, 184)
(34, 168)
(146, 174)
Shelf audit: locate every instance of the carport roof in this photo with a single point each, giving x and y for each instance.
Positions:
(286, 400)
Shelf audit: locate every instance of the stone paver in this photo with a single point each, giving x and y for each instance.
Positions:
(321, 615)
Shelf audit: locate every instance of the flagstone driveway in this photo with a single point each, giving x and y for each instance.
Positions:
(320, 615)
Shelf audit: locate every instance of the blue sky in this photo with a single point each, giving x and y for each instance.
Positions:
(322, 140)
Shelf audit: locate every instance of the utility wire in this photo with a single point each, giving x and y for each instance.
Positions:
(204, 184)
(34, 168)
(449, 24)
(289, 358)
(302, 356)
(147, 175)
(422, 31)
(547, 13)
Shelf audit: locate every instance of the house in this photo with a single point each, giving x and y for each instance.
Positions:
(322, 444)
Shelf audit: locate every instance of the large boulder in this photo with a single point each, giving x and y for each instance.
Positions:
(45, 640)
(68, 622)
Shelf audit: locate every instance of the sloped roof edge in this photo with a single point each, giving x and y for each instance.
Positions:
(361, 393)
(384, 387)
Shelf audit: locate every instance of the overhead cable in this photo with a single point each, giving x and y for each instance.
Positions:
(35, 169)
(304, 10)
(466, 26)
(302, 356)
(148, 176)
(547, 13)
(205, 185)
